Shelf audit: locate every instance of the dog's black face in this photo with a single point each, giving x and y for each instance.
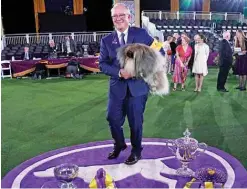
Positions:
(130, 54)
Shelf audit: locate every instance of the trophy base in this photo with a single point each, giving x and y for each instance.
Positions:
(68, 186)
(185, 172)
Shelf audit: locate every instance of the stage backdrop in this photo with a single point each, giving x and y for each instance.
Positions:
(227, 5)
(155, 5)
(57, 5)
(59, 22)
(58, 16)
(190, 5)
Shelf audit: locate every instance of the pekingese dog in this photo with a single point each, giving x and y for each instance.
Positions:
(146, 63)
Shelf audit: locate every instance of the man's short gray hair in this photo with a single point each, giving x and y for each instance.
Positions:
(121, 4)
(226, 34)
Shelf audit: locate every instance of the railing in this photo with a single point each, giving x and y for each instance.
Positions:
(194, 15)
(57, 37)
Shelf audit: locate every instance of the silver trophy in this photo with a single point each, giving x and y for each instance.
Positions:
(66, 173)
(85, 47)
(186, 149)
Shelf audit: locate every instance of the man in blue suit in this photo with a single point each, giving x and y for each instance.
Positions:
(127, 95)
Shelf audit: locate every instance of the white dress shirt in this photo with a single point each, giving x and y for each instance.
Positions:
(125, 39)
(125, 36)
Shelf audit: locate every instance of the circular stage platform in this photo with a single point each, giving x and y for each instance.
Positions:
(152, 171)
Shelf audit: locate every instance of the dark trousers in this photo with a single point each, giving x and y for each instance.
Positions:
(134, 108)
(72, 69)
(222, 77)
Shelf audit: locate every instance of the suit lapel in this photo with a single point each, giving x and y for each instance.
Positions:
(115, 40)
(130, 36)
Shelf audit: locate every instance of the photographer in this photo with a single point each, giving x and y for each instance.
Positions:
(73, 69)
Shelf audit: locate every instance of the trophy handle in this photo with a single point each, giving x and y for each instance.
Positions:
(202, 146)
(171, 147)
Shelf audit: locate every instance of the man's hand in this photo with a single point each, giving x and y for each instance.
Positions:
(124, 74)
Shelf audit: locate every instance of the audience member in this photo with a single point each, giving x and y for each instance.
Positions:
(177, 38)
(52, 49)
(225, 61)
(27, 55)
(173, 56)
(183, 55)
(69, 46)
(240, 41)
(191, 62)
(167, 49)
(73, 68)
(200, 68)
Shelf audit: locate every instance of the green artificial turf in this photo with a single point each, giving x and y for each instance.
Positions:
(39, 116)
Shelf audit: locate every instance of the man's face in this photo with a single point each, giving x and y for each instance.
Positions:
(120, 18)
(229, 36)
(26, 49)
(176, 35)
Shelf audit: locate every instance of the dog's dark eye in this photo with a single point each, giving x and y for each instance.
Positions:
(130, 54)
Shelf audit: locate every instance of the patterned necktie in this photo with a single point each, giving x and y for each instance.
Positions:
(122, 42)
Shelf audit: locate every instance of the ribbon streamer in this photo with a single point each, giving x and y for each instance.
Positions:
(102, 180)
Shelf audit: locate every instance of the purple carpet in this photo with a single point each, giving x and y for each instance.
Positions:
(154, 170)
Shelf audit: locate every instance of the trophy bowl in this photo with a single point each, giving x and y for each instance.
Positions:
(66, 173)
(186, 150)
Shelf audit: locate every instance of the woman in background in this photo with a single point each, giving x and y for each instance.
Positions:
(173, 56)
(200, 68)
(241, 60)
(183, 54)
(167, 49)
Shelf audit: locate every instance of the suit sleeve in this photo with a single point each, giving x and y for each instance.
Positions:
(221, 50)
(105, 65)
(152, 43)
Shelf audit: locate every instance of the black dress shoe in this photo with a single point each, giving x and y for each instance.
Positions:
(116, 151)
(132, 159)
(223, 90)
(242, 89)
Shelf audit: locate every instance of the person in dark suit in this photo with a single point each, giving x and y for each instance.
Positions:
(191, 62)
(225, 61)
(173, 49)
(27, 55)
(52, 49)
(69, 46)
(127, 95)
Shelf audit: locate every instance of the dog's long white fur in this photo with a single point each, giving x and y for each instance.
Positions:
(157, 80)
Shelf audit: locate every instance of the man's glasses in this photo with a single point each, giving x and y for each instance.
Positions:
(120, 16)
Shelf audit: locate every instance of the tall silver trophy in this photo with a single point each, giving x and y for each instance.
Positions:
(85, 47)
(186, 150)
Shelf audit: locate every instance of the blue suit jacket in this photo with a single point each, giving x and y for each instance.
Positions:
(109, 64)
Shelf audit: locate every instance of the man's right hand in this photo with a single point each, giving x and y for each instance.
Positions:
(124, 74)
